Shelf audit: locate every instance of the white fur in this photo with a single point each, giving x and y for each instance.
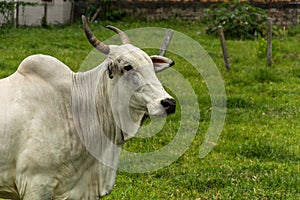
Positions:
(61, 132)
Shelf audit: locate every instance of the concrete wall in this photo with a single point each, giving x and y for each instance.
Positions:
(58, 12)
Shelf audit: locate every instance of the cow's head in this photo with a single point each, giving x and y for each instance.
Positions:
(132, 83)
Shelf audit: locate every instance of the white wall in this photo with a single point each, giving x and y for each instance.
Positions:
(2, 19)
(58, 12)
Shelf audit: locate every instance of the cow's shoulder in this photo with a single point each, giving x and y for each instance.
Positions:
(46, 68)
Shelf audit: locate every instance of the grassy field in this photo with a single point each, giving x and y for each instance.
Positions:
(257, 155)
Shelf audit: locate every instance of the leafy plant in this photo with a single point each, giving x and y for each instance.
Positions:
(44, 22)
(240, 20)
(262, 49)
(110, 10)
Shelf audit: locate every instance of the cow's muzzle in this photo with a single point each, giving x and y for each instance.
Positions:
(169, 105)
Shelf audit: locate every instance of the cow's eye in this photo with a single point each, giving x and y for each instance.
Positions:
(128, 67)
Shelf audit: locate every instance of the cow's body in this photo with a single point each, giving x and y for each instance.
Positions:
(39, 143)
(61, 132)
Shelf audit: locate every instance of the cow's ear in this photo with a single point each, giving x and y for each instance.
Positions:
(161, 63)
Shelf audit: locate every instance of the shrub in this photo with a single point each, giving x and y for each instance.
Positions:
(240, 20)
(110, 10)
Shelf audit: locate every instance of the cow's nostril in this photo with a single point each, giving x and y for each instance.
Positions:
(169, 105)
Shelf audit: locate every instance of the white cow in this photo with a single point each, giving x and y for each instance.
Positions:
(51, 120)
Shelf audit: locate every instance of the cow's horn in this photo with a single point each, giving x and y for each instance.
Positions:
(104, 48)
(123, 36)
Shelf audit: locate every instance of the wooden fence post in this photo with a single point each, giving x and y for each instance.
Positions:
(165, 43)
(45, 12)
(17, 15)
(96, 14)
(72, 11)
(269, 41)
(224, 48)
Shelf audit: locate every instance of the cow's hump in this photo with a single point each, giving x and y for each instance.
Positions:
(45, 67)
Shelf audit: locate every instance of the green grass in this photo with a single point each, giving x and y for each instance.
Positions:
(257, 155)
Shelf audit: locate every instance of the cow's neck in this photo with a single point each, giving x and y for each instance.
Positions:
(95, 125)
(104, 109)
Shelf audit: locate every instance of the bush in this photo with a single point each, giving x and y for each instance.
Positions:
(110, 10)
(240, 20)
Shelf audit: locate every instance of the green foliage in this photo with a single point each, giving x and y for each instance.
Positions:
(44, 22)
(293, 31)
(240, 20)
(262, 49)
(110, 10)
(278, 31)
(114, 15)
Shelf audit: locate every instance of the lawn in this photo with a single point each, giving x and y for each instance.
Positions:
(257, 155)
